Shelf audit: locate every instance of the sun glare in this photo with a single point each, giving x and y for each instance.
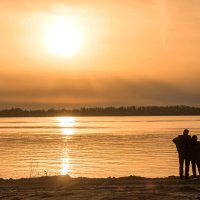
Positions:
(67, 125)
(65, 166)
(66, 121)
(64, 37)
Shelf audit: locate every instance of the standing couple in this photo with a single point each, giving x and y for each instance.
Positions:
(188, 151)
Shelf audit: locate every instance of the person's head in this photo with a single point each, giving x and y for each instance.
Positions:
(186, 132)
(194, 138)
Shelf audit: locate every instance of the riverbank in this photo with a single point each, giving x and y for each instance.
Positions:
(125, 188)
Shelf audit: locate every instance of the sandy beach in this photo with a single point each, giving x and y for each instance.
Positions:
(124, 188)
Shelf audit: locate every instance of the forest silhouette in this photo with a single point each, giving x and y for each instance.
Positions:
(104, 111)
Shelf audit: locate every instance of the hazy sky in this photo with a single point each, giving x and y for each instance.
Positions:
(132, 52)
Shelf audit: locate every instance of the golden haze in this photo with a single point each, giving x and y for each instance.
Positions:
(114, 53)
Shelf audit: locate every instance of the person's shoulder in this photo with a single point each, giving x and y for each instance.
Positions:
(179, 136)
(176, 139)
(186, 137)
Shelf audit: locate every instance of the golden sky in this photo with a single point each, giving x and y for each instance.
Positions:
(99, 53)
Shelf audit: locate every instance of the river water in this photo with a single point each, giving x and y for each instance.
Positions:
(91, 146)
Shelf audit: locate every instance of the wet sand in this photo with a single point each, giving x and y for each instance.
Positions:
(125, 188)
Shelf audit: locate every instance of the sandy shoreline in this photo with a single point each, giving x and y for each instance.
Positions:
(64, 188)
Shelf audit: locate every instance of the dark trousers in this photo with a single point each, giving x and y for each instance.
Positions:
(194, 164)
(183, 160)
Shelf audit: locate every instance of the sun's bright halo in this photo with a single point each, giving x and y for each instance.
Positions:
(64, 37)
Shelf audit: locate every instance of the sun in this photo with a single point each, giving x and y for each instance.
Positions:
(64, 37)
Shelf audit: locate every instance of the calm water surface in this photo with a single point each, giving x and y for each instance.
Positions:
(91, 146)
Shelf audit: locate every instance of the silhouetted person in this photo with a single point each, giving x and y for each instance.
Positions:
(183, 147)
(195, 155)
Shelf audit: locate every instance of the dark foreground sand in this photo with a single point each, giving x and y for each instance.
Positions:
(64, 188)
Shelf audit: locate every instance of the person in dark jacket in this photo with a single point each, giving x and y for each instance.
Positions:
(195, 155)
(183, 147)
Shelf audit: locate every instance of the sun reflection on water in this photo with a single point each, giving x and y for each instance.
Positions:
(65, 166)
(67, 127)
(68, 131)
(66, 121)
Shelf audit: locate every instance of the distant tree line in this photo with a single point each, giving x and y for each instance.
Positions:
(105, 111)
